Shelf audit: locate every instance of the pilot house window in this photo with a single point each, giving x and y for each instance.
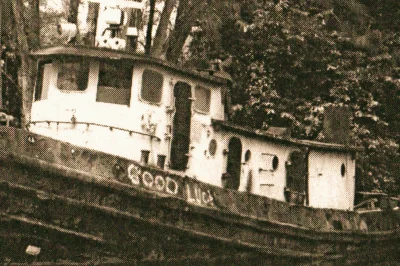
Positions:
(115, 82)
(203, 98)
(152, 85)
(73, 76)
(42, 80)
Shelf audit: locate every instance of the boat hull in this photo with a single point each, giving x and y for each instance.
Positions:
(73, 201)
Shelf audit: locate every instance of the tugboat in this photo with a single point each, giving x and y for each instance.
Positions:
(131, 160)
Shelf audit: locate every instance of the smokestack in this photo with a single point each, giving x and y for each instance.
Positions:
(337, 122)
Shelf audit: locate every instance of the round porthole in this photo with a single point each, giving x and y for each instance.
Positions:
(212, 147)
(275, 163)
(247, 156)
(343, 170)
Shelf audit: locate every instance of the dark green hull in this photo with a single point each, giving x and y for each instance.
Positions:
(83, 206)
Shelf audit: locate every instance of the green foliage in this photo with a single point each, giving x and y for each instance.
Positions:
(11, 92)
(289, 64)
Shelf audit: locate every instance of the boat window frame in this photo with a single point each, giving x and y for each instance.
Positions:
(39, 81)
(131, 66)
(58, 63)
(162, 87)
(195, 99)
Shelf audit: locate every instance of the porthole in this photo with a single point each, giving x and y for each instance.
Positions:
(275, 163)
(212, 147)
(270, 161)
(343, 170)
(247, 156)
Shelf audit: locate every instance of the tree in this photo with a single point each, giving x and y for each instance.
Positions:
(160, 40)
(26, 21)
(149, 34)
(290, 63)
(187, 14)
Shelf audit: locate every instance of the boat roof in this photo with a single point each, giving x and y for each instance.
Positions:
(284, 139)
(104, 53)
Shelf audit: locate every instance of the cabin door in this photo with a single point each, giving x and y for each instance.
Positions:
(234, 164)
(297, 178)
(181, 126)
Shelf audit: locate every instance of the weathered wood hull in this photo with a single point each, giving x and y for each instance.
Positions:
(82, 205)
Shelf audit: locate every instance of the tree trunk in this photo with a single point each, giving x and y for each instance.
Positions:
(73, 18)
(34, 24)
(158, 49)
(149, 34)
(73, 11)
(1, 48)
(90, 38)
(26, 74)
(188, 12)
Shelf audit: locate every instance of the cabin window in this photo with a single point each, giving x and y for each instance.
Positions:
(115, 82)
(73, 76)
(275, 163)
(152, 85)
(203, 99)
(343, 170)
(247, 156)
(42, 80)
(212, 147)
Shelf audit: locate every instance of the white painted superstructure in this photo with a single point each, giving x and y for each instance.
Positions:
(150, 111)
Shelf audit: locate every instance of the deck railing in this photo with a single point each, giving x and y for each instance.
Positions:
(94, 124)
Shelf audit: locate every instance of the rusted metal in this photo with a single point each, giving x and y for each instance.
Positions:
(42, 188)
(121, 229)
(113, 216)
(20, 219)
